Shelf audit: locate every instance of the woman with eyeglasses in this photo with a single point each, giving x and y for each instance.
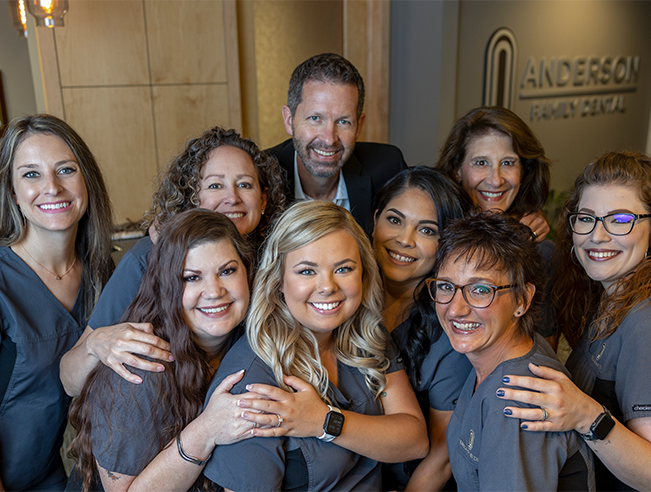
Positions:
(486, 293)
(605, 314)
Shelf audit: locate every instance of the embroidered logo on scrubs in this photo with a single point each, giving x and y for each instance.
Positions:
(471, 439)
(601, 352)
(641, 408)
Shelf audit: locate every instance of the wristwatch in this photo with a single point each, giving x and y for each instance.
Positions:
(601, 427)
(333, 425)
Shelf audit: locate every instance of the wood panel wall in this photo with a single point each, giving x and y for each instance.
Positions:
(137, 78)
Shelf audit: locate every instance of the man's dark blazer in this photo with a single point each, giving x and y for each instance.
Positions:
(367, 170)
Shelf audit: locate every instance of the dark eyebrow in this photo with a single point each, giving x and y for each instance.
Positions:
(396, 211)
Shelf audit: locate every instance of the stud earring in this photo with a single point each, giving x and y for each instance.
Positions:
(262, 212)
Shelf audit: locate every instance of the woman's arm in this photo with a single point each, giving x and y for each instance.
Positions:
(434, 471)
(626, 451)
(220, 423)
(398, 435)
(114, 346)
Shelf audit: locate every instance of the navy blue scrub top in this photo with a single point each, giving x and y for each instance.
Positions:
(36, 331)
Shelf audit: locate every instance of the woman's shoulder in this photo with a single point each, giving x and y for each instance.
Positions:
(638, 320)
(242, 357)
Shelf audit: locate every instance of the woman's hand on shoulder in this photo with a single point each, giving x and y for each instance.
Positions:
(567, 407)
(300, 414)
(222, 418)
(538, 225)
(122, 344)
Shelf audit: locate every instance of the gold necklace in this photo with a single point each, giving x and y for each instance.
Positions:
(58, 277)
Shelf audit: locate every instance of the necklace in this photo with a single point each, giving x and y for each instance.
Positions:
(58, 277)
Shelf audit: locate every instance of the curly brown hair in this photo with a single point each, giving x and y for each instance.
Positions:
(534, 187)
(180, 182)
(578, 299)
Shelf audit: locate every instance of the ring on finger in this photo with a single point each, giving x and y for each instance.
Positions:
(255, 425)
(545, 414)
(280, 420)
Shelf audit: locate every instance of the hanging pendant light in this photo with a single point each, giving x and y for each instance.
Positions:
(48, 13)
(19, 16)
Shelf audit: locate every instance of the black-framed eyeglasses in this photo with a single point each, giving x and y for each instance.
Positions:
(477, 295)
(619, 224)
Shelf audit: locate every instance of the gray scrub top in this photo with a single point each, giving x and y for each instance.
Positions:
(442, 375)
(489, 451)
(122, 288)
(615, 372)
(36, 331)
(260, 463)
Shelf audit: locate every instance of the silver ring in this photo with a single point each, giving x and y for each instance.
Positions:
(545, 414)
(280, 420)
(535, 234)
(255, 425)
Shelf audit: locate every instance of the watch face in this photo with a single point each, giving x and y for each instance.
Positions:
(604, 426)
(334, 423)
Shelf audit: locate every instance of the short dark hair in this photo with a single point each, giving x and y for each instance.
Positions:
(326, 67)
(534, 187)
(500, 242)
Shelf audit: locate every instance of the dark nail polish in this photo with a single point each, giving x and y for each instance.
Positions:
(508, 411)
(506, 379)
(524, 426)
(500, 393)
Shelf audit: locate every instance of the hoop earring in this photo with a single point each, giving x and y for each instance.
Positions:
(574, 258)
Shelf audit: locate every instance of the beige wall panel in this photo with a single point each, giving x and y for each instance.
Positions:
(356, 42)
(183, 112)
(287, 33)
(248, 73)
(186, 41)
(117, 125)
(103, 43)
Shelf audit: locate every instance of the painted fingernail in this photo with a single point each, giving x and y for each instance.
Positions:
(500, 393)
(160, 368)
(171, 358)
(248, 387)
(137, 381)
(506, 379)
(524, 426)
(508, 411)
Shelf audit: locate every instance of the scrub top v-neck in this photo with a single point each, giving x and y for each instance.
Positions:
(36, 330)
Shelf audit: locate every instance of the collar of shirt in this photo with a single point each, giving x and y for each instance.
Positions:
(341, 198)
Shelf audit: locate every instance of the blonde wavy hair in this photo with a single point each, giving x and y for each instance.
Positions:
(277, 337)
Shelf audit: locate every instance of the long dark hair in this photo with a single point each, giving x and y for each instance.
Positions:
(450, 204)
(183, 385)
(93, 242)
(580, 300)
(534, 187)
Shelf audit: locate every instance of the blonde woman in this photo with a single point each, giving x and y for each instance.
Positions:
(315, 326)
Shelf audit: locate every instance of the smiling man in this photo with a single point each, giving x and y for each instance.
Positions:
(322, 159)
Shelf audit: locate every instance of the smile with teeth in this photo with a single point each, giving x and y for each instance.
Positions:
(325, 306)
(234, 215)
(465, 326)
(214, 310)
(492, 194)
(324, 153)
(401, 258)
(54, 206)
(602, 254)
